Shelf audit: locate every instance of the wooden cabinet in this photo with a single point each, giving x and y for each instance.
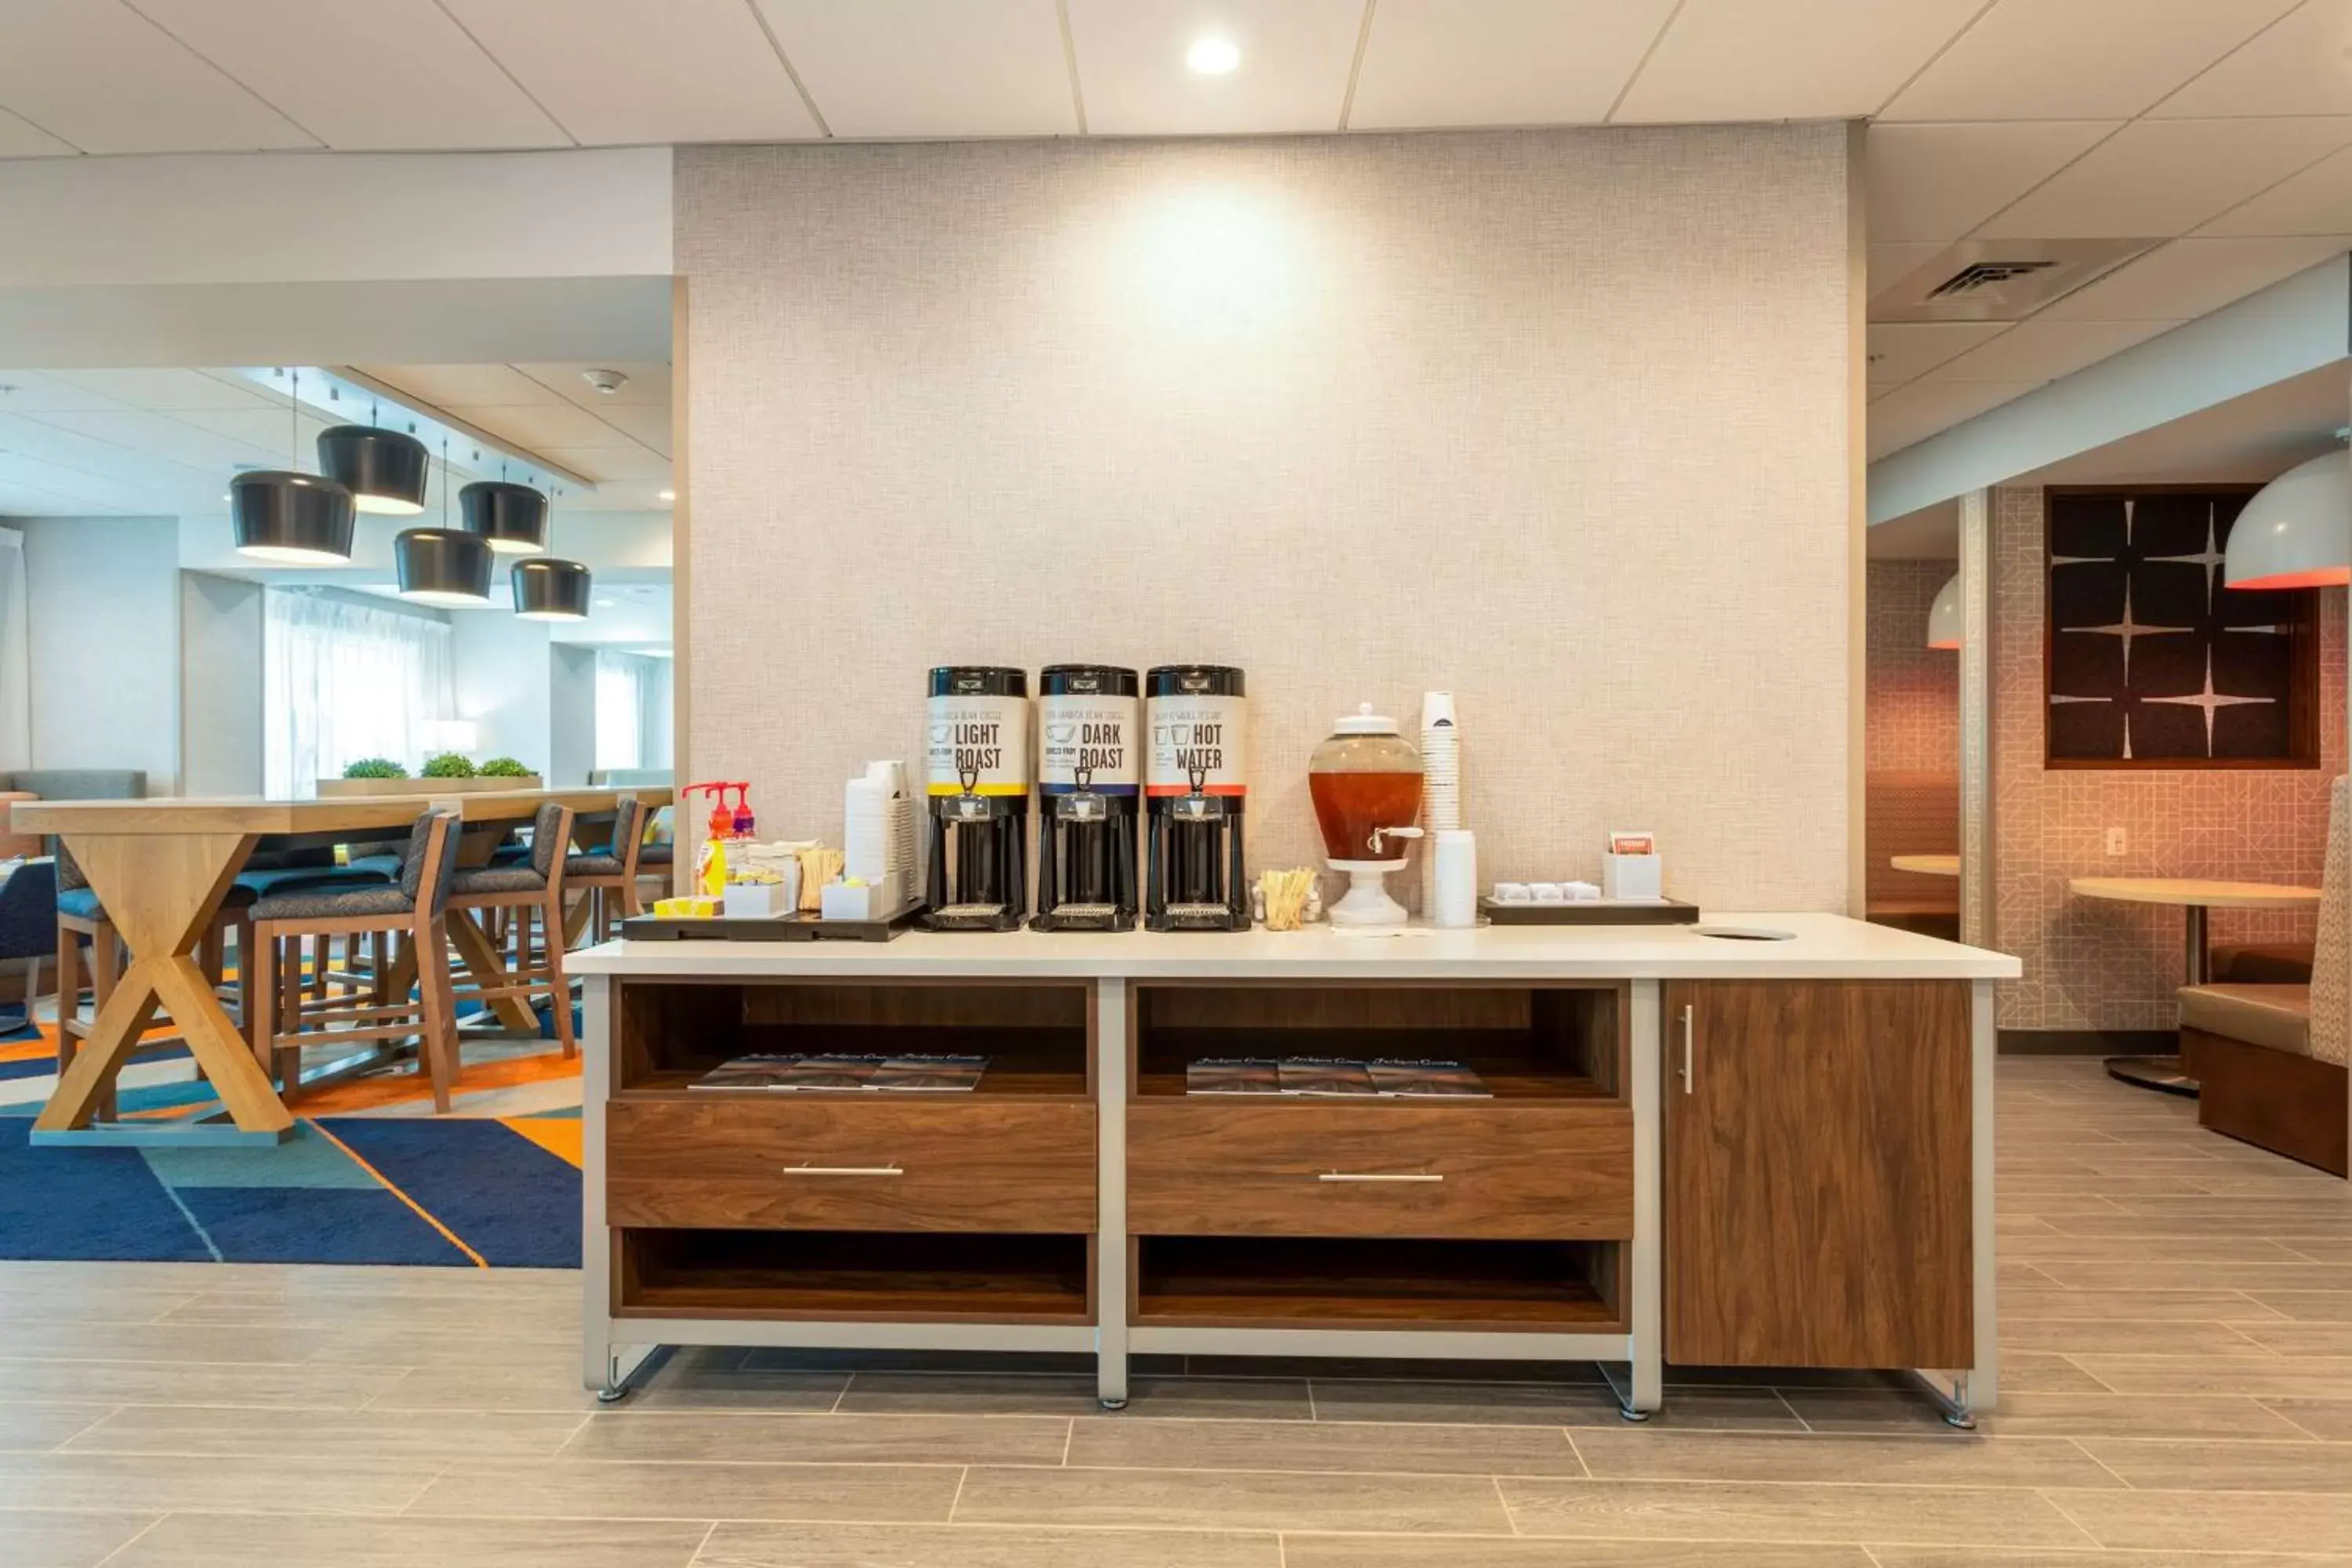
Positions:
(1818, 1173)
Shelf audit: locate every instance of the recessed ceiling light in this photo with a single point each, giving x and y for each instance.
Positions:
(1213, 56)
(669, 495)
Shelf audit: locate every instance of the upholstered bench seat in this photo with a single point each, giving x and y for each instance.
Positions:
(2263, 963)
(81, 903)
(2277, 1017)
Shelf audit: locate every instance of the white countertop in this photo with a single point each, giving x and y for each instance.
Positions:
(1821, 947)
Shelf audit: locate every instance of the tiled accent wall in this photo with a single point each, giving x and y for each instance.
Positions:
(1556, 420)
(1911, 744)
(2091, 965)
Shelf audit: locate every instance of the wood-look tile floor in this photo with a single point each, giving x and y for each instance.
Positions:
(2177, 1308)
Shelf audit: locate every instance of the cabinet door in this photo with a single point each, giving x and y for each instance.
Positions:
(1818, 1174)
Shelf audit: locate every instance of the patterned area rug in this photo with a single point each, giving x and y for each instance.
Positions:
(451, 1191)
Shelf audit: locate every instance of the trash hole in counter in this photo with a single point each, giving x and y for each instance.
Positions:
(1744, 933)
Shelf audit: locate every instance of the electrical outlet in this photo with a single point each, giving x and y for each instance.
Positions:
(2117, 843)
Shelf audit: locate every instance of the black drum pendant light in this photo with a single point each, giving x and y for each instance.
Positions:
(290, 516)
(383, 469)
(546, 589)
(510, 519)
(442, 565)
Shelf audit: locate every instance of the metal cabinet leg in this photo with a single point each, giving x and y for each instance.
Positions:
(1645, 1391)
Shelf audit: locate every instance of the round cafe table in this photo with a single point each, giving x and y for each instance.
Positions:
(2194, 896)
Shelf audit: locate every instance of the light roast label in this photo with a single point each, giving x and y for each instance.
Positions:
(1201, 737)
(979, 742)
(1091, 738)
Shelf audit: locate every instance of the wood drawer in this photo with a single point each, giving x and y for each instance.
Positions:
(1502, 1171)
(953, 1164)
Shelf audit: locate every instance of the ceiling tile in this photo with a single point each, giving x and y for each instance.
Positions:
(1790, 59)
(465, 385)
(20, 138)
(2189, 277)
(1890, 264)
(1905, 351)
(1913, 413)
(648, 427)
(165, 437)
(2164, 177)
(94, 73)
(1293, 75)
(43, 391)
(388, 74)
(265, 430)
(2079, 59)
(2317, 201)
(621, 72)
(915, 68)
(1938, 182)
(604, 463)
(2041, 350)
(2296, 67)
(1500, 62)
(647, 386)
(556, 425)
(170, 390)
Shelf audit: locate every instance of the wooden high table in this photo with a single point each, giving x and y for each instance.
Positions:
(2194, 896)
(162, 868)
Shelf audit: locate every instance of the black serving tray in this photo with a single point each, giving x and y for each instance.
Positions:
(1590, 913)
(767, 928)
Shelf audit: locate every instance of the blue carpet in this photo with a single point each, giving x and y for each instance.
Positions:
(513, 1201)
(46, 1065)
(317, 1224)
(84, 1205)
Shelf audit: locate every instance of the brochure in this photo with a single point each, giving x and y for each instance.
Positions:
(754, 1072)
(1320, 1077)
(925, 1074)
(914, 1073)
(1233, 1074)
(1428, 1080)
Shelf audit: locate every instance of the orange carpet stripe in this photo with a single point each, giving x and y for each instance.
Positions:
(559, 1135)
(374, 1093)
(446, 1234)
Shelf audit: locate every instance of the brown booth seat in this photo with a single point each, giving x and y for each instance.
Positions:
(2270, 1059)
(2263, 963)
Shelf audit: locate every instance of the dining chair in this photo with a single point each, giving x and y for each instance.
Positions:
(607, 877)
(534, 887)
(283, 1020)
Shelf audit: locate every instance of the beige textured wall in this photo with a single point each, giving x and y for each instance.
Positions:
(1557, 420)
(2091, 965)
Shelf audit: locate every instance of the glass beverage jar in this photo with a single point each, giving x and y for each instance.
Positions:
(1365, 781)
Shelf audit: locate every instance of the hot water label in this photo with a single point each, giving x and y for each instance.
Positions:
(1090, 740)
(979, 742)
(1198, 737)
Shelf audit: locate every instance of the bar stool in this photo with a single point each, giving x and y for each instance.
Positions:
(535, 887)
(608, 875)
(282, 1020)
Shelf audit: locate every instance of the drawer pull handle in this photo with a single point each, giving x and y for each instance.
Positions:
(1379, 1176)
(843, 1171)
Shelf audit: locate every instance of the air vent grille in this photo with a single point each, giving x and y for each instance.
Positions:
(1986, 275)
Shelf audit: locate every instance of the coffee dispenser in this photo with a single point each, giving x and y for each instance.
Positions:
(1194, 788)
(978, 769)
(1088, 780)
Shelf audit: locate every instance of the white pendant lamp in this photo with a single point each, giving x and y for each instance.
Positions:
(2297, 531)
(1944, 615)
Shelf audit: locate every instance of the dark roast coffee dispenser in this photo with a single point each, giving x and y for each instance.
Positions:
(977, 790)
(1194, 784)
(1089, 775)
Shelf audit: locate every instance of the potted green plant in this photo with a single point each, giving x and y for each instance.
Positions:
(374, 768)
(508, 772)
(448, 765)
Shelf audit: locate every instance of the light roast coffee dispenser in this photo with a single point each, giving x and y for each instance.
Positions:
(1089, 776)
(1194, 785)
(978, 770)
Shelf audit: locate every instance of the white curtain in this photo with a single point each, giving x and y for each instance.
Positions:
(632, 710)
(346, 681)
(15, 674)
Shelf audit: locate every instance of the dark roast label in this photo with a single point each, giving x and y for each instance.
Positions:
(1088, 742)
(979, 744)
(1198, 741)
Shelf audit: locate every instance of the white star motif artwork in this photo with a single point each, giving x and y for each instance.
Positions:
(2129, 628)
(2210, 699)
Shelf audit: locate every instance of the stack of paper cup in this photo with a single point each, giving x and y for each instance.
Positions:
(1455, 858)
(877, 831)
(1441, 781)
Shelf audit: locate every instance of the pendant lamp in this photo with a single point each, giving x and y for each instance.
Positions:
(383, 469)
(1944, 615)
(290, 516)
(546, 589)
(2297, 531)
(510, 519)
(442, 565)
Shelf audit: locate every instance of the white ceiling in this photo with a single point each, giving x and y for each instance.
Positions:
(2188, 122)
(157, 443)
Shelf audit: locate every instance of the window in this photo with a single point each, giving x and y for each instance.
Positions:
(344, 680)
(632, 710)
